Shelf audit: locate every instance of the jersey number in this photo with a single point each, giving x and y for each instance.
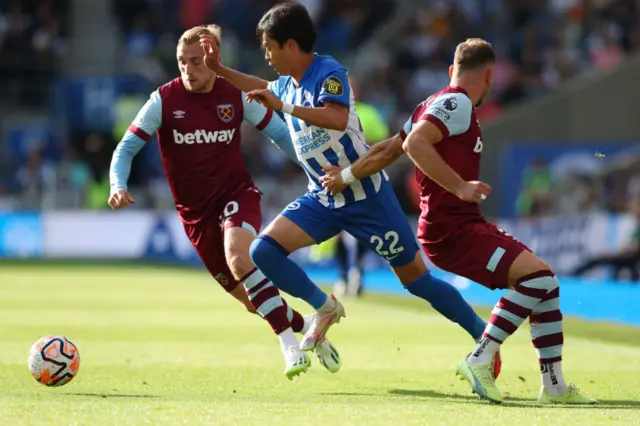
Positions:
(229, 210)
(391, 238)
(506, 234)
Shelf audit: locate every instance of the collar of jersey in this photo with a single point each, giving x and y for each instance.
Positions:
(459, 89)
(310, 69)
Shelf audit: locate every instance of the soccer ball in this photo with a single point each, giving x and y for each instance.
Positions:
(54, 360)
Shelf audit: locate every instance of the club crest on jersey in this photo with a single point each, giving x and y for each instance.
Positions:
(451, 104)
(333, 86)
(225, 112)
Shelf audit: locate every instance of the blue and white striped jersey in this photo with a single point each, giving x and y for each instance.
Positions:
(326, 80)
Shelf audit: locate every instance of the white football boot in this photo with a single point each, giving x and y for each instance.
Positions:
(328, 356)
(320, 324)
(296, 362)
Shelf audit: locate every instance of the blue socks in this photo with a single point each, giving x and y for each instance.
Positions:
(272, 259)
(449, 302)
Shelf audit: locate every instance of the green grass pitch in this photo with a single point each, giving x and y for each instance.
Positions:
(167, 346)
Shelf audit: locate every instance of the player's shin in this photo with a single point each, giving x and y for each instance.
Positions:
(547, 337)
(273, 261)
(270, 306)
(511, 311)
(449, 302)
(296, 319)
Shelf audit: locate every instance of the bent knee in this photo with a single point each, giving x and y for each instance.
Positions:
(412, 271)
(528, 266)
(263, 248)
(257, 249)
(544, 280)
(239, 263)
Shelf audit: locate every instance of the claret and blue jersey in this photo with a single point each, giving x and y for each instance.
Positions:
(326, 80)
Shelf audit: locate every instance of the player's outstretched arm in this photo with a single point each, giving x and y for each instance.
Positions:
(377, 158)
(419, 146)
(330, 112)
(242, 81)
(331, 115)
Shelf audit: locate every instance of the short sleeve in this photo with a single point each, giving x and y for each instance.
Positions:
(450, 112)
(406, 128)
(335, 88)
(277, 86)
(149, 118)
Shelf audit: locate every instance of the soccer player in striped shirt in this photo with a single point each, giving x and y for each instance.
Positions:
(314, 95)
(198, 117)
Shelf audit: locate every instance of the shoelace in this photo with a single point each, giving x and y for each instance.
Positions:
(485, 375)
(573, 388)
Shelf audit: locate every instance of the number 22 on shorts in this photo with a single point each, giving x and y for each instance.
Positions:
(390, 242)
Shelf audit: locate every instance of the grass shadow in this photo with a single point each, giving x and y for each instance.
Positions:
(515, 401)
(348, 393)
(113, 395)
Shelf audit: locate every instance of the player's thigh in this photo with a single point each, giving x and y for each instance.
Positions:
(526, 263)
(480, 252)
(381, 225)
(240, 220)
(206, 238)
(302, 223)
(412, 271)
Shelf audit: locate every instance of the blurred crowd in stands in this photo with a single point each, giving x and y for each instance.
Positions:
(398, 56)
(33, 36)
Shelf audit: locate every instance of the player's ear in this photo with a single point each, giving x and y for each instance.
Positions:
(488, 76)
(450, 71)
(290, 44)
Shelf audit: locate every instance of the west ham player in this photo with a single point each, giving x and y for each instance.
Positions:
(198, 118)
(444, 140)
(314, 94)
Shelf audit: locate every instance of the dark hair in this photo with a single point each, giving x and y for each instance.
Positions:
(474, 53)
(289, 21)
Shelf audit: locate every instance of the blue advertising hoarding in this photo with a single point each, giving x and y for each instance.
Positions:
(21, 235)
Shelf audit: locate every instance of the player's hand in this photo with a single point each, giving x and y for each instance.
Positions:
(474, 191)
(120, 199)
(212, 58)
(266, 98)
(332, 179)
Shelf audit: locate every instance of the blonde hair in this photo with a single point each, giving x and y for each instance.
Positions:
(193, 35)
(474, 53)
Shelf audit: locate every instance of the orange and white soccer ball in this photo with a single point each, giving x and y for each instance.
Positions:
(54, 360)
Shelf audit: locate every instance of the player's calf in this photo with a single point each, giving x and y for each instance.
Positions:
(263, 296)
(270, 251)
(442, 296)
(534, 293)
